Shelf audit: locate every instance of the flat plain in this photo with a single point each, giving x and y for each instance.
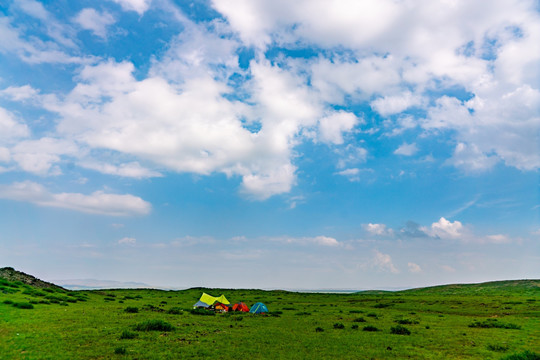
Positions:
(497, 320)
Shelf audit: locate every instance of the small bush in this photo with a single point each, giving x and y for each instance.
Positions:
(131, 309)
(355, 327)
(319, 329)
(175, 311)
(126, 334)
(373, 315)
(406, 322)
(202, 311)
(23, 305)
(356, 312)
(360, 319)
(400, 330)
(154, 325)
(8, 302)
(497, 347)
(381, 306)
(493, 323)
(109, 299)
(289, 308)
(370, 328)
(526, 355)
(120, 350)
(339, 326)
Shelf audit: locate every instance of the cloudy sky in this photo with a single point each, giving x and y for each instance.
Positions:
(271, 144)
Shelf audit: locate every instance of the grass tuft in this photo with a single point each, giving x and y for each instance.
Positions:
(339, 326)
(400, 330)
(493, 323)
(131, 309)
(497, 347)
(370, 328)
(126, 334)
(526, 355)
(154, 325)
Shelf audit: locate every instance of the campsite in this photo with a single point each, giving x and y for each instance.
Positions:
(496, 320)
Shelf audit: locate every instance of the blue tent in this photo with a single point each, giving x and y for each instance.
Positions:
(258, 308)
(200, 304)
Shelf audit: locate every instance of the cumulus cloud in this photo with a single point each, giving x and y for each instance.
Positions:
(378, 229)
(127, 241)
(384, 262)
(39, 156)
(331, 127)
(98, 202)
(93, 20)
(394, 104)
(317, 240)
(132, 169)
(445, 229)
(406, 149)
(414, 268)
(10, 127)
(139, 6)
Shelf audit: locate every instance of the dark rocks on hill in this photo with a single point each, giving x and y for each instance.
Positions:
(11, 274)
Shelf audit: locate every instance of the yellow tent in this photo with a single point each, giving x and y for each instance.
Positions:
(209, 299)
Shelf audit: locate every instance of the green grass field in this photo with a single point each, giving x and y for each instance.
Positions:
(498, 320)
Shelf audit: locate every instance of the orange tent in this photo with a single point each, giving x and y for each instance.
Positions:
(240, 307)
(221, 307)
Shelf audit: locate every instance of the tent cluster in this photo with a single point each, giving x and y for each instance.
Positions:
(223, 305)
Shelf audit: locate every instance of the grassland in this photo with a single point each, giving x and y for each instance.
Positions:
(484, 321)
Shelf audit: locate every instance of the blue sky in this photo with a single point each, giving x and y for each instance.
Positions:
(270, 144)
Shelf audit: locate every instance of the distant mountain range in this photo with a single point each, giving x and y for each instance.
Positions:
(93, 284)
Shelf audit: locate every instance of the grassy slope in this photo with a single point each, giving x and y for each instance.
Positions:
(92, 322)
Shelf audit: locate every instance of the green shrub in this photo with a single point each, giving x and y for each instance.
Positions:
(8, 302)
(526, 355)
(497, 347)
(23, 305)
(120, 350)
(175, 311)
(355, 327)
(360, 319)
(493, 323)
(373, 315)
(356, 312)
(339, 326)
(319, 329)
(406, 322)
(370, 328)
(109, 299)
(131, 309)
(154, 325)
(400, 330)
(381, 306)
(202, 311)
(126, 334)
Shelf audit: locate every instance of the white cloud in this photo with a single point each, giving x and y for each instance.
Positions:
(332, 127)
(406, 149)
(132, 169)
(470, 159)
(91, 19)
(378, 229)
(18, 93)
(39, 156)
(445, 229)
(384, 262)
(394, 104)
(127, 241)
(98, 202)
(317, 240)
(414, 268)
(10, 128)
(5, 155)
(139, 6)
(448, 268)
